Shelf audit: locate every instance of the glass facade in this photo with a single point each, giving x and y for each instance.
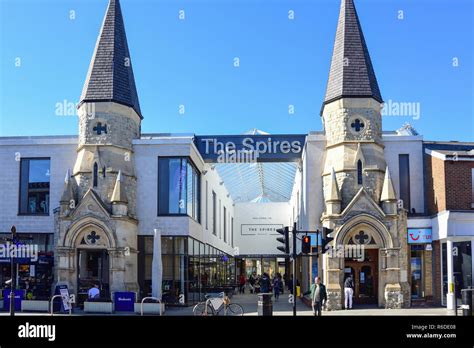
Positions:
(190, 269)
(34, 186)
(417, 270)
(178, 187)
(33, 275)
(462, 267)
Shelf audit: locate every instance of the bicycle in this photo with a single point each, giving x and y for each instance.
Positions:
(215, 304)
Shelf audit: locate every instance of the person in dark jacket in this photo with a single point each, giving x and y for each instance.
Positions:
(252, 283)
(348, 291)
(277, 285)
(318, 296)
(265, 283)
(290, 284)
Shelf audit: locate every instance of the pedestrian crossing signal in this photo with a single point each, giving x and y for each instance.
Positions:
(285, 248)
(326, 239)
(306, 244)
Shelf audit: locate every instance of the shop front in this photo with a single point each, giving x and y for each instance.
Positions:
(190, 269)
(420, 252)
(33, 274)
(461, 267)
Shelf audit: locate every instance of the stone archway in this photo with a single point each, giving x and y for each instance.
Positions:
(90, 238)
(363, 236)
(364, 243)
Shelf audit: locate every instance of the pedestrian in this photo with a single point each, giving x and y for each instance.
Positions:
(277, 285)
(265, 283)
(94, 291)
(252, 283)
(242, 282)
(348, 291)
(290, 284)
(318, 296)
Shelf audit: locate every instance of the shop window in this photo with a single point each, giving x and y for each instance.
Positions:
(225, 225)
(404, 174)
(214, 215)
(416, 262)
(35, 275)
(34, 185)
(207, 206)
(178, 187)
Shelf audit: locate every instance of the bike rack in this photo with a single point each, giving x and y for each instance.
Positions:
(150, 298)
(60, 296)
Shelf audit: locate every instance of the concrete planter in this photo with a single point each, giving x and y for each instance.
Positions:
(98, 307)
(34, 306)
(150, 308)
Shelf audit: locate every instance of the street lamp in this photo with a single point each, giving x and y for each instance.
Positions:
(12, 283)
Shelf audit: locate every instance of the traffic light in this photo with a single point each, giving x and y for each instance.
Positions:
(325, 239)
(306, 244)
(285, 240)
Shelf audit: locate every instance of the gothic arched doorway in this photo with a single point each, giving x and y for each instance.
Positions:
(364, 239)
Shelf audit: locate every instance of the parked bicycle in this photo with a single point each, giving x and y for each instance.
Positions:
(216, 304)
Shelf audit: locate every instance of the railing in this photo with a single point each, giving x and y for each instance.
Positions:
(61, 296)
(150, 298)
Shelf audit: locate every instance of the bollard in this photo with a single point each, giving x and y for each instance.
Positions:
(265, 307)
(467, 302)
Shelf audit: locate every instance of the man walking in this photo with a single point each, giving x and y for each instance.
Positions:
(318, 296)
(348, 292)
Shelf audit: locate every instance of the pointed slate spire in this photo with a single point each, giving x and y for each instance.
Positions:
(118, 195)
(351, 74)
(388, 192)
(110, 76)
(334, 193)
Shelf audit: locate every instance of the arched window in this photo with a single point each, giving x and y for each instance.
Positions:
(95, 175)
(359, 172)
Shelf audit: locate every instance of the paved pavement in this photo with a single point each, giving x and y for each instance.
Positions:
(283, 307)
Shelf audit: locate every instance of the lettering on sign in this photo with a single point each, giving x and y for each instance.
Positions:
(259, 229)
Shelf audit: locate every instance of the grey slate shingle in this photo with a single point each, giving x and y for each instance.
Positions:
(357, 77)
(110, 75)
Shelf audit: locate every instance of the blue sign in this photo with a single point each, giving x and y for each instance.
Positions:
(419, 235)
(19, 294)
(124, 301)
(250, 148)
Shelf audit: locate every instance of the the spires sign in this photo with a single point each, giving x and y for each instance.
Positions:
(250, 148)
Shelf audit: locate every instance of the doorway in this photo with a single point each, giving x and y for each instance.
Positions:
(365, 275)
(92, 268)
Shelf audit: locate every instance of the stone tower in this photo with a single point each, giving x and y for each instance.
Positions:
(355, 169)
(99, 199)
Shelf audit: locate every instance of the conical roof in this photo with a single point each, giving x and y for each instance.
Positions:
(110, 76)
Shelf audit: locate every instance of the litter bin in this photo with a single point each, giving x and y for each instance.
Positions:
(265, 306)
(467, 302)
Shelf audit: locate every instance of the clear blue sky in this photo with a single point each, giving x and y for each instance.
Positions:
(282, 61)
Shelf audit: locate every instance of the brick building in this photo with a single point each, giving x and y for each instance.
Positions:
(449, 182)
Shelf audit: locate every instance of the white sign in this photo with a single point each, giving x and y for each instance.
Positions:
(65, 296)
(260, 229)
